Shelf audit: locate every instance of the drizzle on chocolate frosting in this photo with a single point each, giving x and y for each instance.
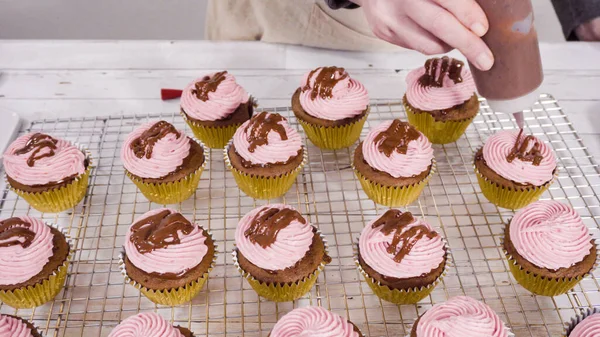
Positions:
(394, 221)
(520, 150)
(144, 144)
(436, 69)
(159, 231)
(259, 127)
(267, 224)
(396, 138)
(14, 231)
(325, 81)
(37, 143)
(208, 84)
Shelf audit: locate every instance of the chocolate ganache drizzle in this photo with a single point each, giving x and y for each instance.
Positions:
(37, 143)
(14, 231)
(259, 127)
(267, 224)
(396, 138)
(437, 69)
(520, 151)
(144, 144)
(208, 84)
(159, 231)
(325, 81)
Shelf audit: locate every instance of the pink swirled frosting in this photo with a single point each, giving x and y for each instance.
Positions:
(67, 161)
(13, 327)
(589, 327)
(417, 159)
(461, 316)
(290, 246)
(349, 98)
(221, 103)
(174, 258)
(147, 324)
(426, 255)
(168, 154)
(19, 264)
(550, 235)
(500, 145)
(430, 98)
(276, 150)
(313, 322)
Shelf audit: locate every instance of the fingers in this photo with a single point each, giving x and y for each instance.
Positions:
(469, 13)
(408, 34)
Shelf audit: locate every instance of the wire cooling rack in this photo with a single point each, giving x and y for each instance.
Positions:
(95, 298)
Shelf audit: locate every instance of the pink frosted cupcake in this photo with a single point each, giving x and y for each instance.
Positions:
(331, 107)
(13, 326)
(214, 106)
(314, 321)
(513, 169)
(440, 99)
(148, 324)
(585, 325)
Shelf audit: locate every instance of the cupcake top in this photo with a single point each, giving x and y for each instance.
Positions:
(14, 327)
(522, 159)
(274, 237)
(550, 235)
(461, 316)
(26, 245)
(154, 150)
(440, 84)
(589, 327)
(398, 149)
(39, 159)
(213, 97)
(313, 322)
(398, 245)
(266, 139)
(147, 324)
(163, 241)
(329, 93)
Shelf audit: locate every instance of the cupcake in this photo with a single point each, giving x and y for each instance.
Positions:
(331, 107)
(50, 174)
(167, 257)
(440, 99)
(460, 316)
(148, 324)
(514, 170)
(13, 326)
(585, 325)
(394, 163)
(214, 106)
(549, 248)
(265, 156)
(163, 162)
(401, 258)
(314, 321)
(34, 258)
(279, 252)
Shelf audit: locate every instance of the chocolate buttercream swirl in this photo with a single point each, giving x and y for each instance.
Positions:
(208, 84)
(325, 82)
(259, 127)
(267, 224)
(396, 138)
(15, 231)
(534, 155)
(159, 231)
(37, 143)
(394, 221)
(437, 69)
(144, 144)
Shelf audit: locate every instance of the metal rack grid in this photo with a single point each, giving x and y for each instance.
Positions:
(95, 298)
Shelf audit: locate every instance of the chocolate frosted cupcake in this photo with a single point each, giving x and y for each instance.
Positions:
(50, 174)
(440, 99)
(265, 156)
(214, 106)
(331, 107)
(394, 163)
(34, 258)
(167, 257)
(401, 258)
(314, 321)
(460, 316)
(13, 326)
(549, 248)
(148, 324)
(586, 324)
(279, 252)
(514, 170)
(163, 162)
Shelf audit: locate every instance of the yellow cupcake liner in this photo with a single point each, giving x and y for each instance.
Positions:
(282, 292)
(334, 137)
(43, 291)
(58, 199)
(569, 326)
(438, 132)
(392, 196)
(545, 286)
(172, 296)
(261, 187)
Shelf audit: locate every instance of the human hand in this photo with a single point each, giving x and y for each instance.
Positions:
(589, 31)
(432, 26)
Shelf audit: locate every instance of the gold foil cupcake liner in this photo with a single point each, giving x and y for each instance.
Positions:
(403, 296)
(334, 137)
(438, 132)
(171, 296)
(283, 292)
(43, 291)
(393, 196)
(261, 187)
(175, 191)
(541, 285)
(569, 326)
